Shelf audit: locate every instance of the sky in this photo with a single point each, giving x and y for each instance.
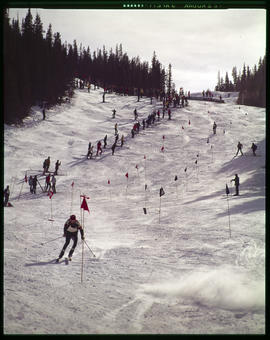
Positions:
(197, 43)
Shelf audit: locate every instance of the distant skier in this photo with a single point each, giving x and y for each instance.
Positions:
(239, 148)
(135, 114)
(254, 148)
(30, 182)
(48, 182)
(71, 228)
(132, 133)
(114, 112)
(35, 184)
(99, 150)
(122, 140)
(57, 164)
(169, 114)
(113, 148)
(236, 181)
(44, 113)
(53, 184)
(214, 128)
(46, 165)
(115, 129)
(6, 196)
(90, 151)
(105, 141)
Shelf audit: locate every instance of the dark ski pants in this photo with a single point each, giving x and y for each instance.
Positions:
(68, 238)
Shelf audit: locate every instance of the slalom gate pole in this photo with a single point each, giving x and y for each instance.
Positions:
(22, 186)
(127, 186)
(51, 240)
(229, 216)
(159, 209)
(13, 179)
(82, 252)
(89, 248)
(80, 208)
(72, 195)
(51, 210)
(40, 186)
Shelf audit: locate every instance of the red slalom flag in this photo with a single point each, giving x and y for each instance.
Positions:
(189, 122)
(183, 128)
(84, 205)
(144, 157)
(136, 166)
(50, 194)
(25, 178)
(72, 184)
(163, 137)
(109, 182)
(126, 175)
(162, 149)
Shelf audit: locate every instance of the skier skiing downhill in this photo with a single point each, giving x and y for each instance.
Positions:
(71, 228)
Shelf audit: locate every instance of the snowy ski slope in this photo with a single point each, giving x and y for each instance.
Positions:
(174, 270)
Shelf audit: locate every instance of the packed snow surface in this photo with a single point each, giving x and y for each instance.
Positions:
(193, 264)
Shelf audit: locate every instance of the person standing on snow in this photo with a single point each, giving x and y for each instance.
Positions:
(114, 112)
(6, 195)
(71, 228)
(113, 148)
(35, 184)
(99, 148)
(122, 140)
(48, 182)
(135, 114)
(254, 148)
(57, 164)
(115, 129)
(239, 148)
(236, 181)
(214, 128)
(54, 184)
(105, 141)
(30, 182)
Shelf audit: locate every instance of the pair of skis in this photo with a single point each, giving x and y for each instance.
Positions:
(66, 260)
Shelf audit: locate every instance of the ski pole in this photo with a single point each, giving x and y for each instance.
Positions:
(51, 240)
(89, 248)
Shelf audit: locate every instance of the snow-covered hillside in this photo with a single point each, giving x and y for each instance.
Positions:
(180, 268)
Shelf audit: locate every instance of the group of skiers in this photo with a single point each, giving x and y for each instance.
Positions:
(240, 147)
(46, 165)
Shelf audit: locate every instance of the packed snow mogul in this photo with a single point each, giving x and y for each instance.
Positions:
(6, 196)
(239, 148)
(71, 228)
(236, 181)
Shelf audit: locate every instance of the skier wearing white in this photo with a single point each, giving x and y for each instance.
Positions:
(71, 228)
